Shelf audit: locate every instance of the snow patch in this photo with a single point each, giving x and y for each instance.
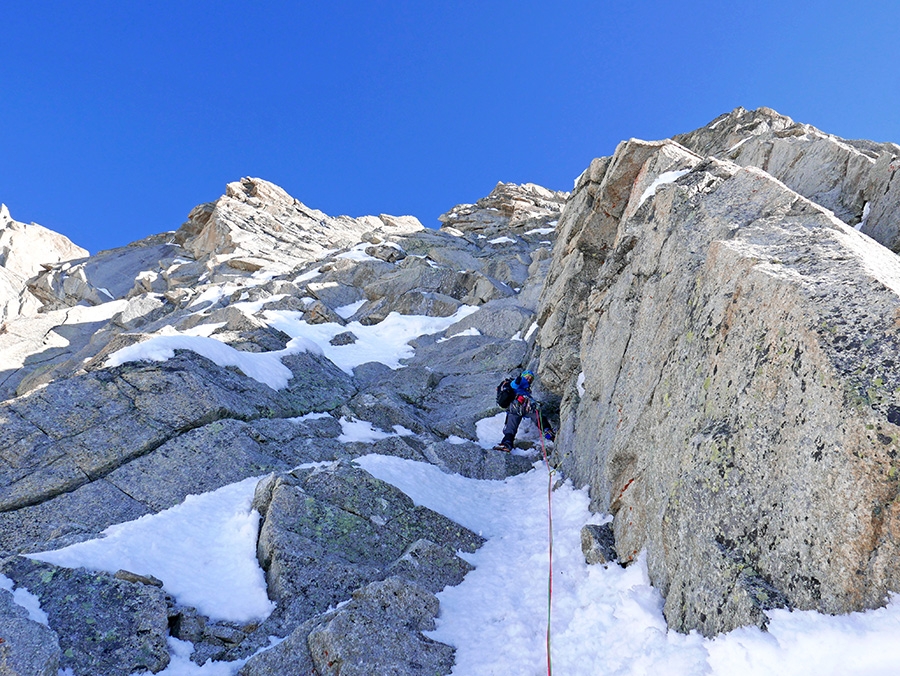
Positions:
(204, 551)
(306, 276)
(737, 145)
(264, 367)
(347, 311)
(309, 416)
(363, 431)
(24, 598)
(252, 307)
(865, 216)
(358, 253)
(489, 432)
(662, 179)
(386, 342)
(468, 332)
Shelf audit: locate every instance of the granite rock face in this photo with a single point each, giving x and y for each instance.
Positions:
(725, 353)
(81, 429)
(28, 646)
(124, 623)
(257, 225)
(854, 179)
(508, 206)
(378, 631)
(25, 249)
(393, 613)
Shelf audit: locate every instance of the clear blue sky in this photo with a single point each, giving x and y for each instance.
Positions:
(116, 118)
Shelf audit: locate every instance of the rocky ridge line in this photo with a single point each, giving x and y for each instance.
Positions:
(87, 445)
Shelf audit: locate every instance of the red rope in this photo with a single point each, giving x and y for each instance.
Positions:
(550, 538)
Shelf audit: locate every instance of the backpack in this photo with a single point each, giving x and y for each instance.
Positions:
(505, 393)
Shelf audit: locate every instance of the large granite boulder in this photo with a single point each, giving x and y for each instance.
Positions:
(726, 349)
(330, 530)
(380, 632)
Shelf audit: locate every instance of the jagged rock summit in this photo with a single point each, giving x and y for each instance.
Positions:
(854, 179)
(24, 250)
(257, 225)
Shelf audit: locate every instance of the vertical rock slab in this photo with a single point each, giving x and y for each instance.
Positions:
(731, 396)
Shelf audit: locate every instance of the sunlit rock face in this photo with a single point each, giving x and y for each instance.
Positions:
(725, 349)
(25, 250)
(856, 179)
(257, 225)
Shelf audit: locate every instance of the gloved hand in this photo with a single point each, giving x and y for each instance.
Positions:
(548, 435)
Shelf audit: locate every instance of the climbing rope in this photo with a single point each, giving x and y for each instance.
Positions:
(550, 472)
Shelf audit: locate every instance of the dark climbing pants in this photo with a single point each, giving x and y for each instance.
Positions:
(514, 415)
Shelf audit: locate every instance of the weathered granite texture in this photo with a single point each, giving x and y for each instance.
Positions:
(329, 531)
(29, 647)
(105, 625)
(854, 179)
(726, 351)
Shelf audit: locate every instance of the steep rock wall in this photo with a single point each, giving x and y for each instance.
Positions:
(725, 350)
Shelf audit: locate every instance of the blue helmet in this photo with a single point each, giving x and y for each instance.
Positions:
(528, 374)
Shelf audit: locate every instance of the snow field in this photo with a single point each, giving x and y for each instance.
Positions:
(385, 342)
(605, 619)
(204, 551)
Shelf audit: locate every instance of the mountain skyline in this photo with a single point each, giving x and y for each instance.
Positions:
(120, 119)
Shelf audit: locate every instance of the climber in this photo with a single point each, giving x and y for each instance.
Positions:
(523, 404)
